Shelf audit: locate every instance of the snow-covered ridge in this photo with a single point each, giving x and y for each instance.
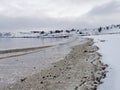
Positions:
(63, 33)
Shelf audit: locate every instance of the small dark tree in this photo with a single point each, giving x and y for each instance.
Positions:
(100, 29)
(35, 31)
(57, 31)
(73, 29)
(42, 32)
(107, 27)
(80, 33)
(78, 30)
(51, 32)
(118, 26)
(67, 31)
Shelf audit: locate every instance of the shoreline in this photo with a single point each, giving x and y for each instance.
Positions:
(23, 51)
(81, 69)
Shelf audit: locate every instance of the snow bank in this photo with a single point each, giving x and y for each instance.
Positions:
(110, 49)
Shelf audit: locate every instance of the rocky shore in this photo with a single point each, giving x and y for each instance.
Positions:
(81, 69)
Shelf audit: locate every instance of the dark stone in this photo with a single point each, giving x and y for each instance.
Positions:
(43, 77)
(68, 77)
(54, 66)
(76, 88)
(41, 82)
(23, 79)
(85, 51)
(54, 76)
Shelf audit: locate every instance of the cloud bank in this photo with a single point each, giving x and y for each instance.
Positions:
(57, 14)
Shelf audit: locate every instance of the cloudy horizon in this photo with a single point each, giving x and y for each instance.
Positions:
(57, 14)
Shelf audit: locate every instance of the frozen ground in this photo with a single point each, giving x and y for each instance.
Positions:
(14, 68)
(77, 71)
(110, 49)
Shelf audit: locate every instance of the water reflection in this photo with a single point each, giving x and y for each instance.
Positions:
(10, 43)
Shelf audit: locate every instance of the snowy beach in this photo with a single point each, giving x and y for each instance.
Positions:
(15, 65)
(80, 69)
(59, 44)
(32, 70)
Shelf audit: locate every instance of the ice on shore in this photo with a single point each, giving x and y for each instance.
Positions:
(110, 49)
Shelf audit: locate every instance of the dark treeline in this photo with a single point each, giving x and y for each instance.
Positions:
(78, 31)
(108, 27)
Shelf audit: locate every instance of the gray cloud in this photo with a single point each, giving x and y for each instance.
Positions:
(8, 23)
(57, 14)
(109, 8)
(104, 14)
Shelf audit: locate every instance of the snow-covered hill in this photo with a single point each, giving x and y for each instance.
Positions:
(112, 29)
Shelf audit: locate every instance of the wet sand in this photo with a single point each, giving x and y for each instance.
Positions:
(81, 69)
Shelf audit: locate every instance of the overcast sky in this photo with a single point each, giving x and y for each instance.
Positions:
(57, 14)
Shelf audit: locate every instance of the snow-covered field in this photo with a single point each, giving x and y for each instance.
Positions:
(110, 50)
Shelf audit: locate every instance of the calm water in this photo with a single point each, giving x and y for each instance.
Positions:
(10, 43)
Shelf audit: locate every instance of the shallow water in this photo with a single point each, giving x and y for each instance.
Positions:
(12, 43)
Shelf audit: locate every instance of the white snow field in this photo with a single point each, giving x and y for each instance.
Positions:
(110, 50)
